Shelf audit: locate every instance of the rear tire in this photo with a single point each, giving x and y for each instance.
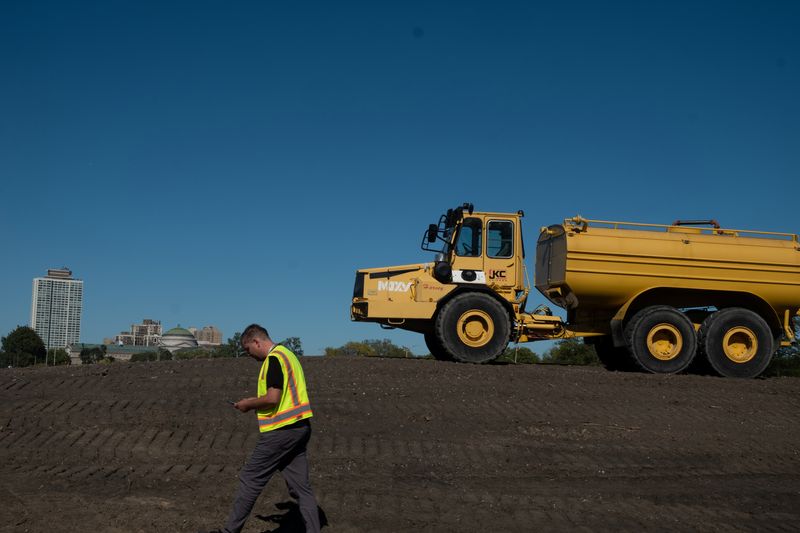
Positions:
(736, 342)
(661, 340)
(473, 328)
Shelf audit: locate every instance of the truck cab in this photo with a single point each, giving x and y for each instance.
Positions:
(466, 300)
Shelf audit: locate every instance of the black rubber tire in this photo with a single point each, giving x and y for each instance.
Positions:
(485, 311)
(613, 358)
(711, 338)
(668, 321)
(435, 347)
(699, 364)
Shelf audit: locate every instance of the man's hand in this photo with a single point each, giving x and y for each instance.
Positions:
(245, 404)
(268, 401)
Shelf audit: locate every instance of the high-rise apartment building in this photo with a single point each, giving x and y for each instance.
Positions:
(56, 308)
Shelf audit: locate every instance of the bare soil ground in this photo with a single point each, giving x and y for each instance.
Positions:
(402, 445)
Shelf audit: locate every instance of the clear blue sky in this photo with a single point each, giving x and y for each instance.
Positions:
(229, 162)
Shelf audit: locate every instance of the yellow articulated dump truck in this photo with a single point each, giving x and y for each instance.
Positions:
(657, 298)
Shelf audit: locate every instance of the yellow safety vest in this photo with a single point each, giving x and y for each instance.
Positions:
(294, 404)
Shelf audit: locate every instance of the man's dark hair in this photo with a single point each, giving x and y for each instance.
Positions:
(254, 331)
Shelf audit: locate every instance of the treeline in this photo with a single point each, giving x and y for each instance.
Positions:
(230, 349)
(786, 361)
(23, 347)
(567, 352)
(369, 348)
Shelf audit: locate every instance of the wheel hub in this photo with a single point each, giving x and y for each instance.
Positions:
(664, 341)
(475, 328)
(740, 344)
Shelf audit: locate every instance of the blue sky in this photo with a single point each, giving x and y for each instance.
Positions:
(230, 162)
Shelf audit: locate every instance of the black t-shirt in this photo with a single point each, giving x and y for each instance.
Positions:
(274, 374)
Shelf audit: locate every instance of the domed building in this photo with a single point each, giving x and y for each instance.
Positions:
(177, 339)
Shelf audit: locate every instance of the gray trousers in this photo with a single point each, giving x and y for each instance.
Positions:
(282, 450)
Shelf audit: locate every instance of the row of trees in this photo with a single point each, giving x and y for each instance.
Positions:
(230, 348)
(567, 352)
(369, 348)
(786, 361)
(24, 347)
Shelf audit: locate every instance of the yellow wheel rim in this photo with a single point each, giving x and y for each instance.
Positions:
(740, 344)
(475, 328)
(664, 341)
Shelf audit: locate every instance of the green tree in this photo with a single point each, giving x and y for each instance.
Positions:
(369, 348)
(294, 344)
(58, 356)
(23, 347)
(519, 354)
(235, 343)
(223, 350)
(19, 359)
(386, 348)
(786, 361)
(231, 348)
(162, 354)
(193, 353)
(350, 349)
(571, 352)
(140, 357)
(90, 356)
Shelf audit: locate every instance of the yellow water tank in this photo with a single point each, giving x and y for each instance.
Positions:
(599, 266)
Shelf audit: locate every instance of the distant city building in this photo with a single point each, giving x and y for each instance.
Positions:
(208, 335)
(148, 333)
(178, 338)
(56, 308)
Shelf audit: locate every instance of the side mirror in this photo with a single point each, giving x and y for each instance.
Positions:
(433, 231)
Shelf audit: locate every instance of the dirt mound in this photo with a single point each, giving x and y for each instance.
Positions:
(402, 445)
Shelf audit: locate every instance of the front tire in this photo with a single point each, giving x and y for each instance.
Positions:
(435, 347)
(661, 340)
(473, 328)
(736, 342)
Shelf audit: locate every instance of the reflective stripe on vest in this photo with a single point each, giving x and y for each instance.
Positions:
(294, 403)
(291, 414)
(289, 376)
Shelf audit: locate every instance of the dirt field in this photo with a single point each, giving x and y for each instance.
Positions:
(402, 445)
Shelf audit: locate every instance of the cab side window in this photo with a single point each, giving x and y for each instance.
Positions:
(469, 241)
(500, 238)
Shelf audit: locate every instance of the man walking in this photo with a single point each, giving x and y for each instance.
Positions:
(283, 411)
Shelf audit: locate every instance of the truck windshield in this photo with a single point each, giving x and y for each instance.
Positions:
(469, 240)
